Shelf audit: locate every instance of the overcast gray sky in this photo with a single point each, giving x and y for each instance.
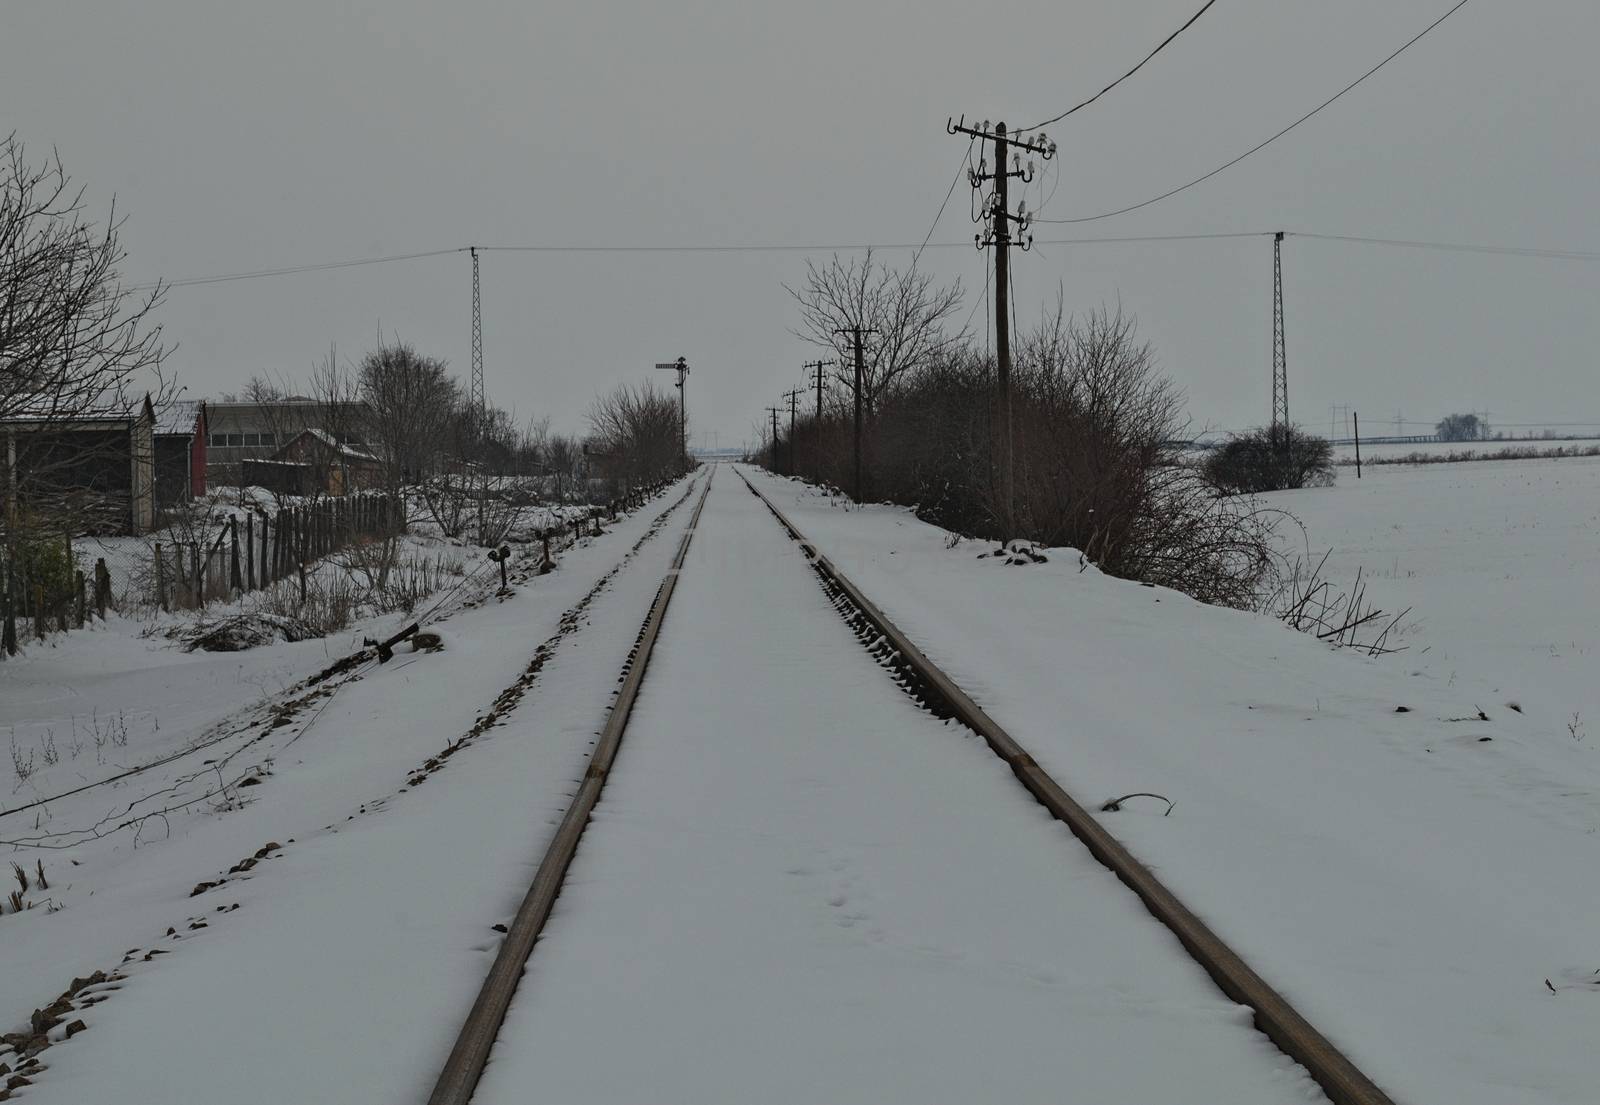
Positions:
(248, 136)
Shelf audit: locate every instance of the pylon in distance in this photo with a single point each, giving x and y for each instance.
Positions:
(476, 397)
(1280, 357)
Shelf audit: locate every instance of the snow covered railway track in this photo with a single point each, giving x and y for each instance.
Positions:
(1292, 1033)
(465, 1065)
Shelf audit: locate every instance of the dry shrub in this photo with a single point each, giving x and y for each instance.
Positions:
(1279, 458)
(1095, 468)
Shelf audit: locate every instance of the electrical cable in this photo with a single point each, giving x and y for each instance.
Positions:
(965, 158)
(1263, 145)
(291, 270)
(1164, 43)
(1457, 247)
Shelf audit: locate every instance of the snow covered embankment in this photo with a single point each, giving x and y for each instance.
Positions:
(1409, 878)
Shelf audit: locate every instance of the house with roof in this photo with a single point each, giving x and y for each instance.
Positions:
(314, 462)
(253, 430)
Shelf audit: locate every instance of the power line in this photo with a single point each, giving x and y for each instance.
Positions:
(965, 158)
(858, 247)
(290, 270)
(1263, 145)
(1458, 247)
(1129, 73)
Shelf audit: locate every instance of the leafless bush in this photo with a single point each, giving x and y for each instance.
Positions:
(635, 436)
(1304, 600)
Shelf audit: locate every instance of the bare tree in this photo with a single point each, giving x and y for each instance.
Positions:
(906, 308)
(411, 404)
(76, 346)
(634, 435)
(564, 460)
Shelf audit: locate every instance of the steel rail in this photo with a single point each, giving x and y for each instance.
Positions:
(1339, 1078)
(459, 1077)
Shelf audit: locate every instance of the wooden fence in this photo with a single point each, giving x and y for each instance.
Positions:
(265, 550)
(43, 607)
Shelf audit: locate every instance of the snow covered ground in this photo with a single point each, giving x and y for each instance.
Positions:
(1410, 875)
(800, 887)
(1346, 454)
(360, 938)
(1499, 562)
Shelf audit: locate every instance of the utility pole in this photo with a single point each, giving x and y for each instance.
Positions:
(774, 411)
(794, 469)
(816, 368)
(857, 331)
(998, 217)
(1280, 357)
(476, 396)
(681, 367)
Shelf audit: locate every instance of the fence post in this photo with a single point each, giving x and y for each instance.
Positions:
(302, 583)
(250, 552)
(197, 573)
(161, 581)
(8, 621)
(102, 584)
(235, 579)
(83, 599)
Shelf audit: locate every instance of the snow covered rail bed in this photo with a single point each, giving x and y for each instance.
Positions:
(1343, 1082)
(802, 886)
(462, 1070)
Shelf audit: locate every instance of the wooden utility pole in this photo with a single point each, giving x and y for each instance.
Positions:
(794, 469)
(774, 411)
(816, 367)
(1357, 417)
(998, 216)
(856, 332)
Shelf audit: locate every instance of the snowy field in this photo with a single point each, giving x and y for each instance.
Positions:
(1499, 562)
(1346, 454)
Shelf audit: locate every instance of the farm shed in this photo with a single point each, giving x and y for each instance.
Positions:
(180, 442)
(87, 471)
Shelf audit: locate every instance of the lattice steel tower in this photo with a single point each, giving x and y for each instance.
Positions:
(476, 397)
(1280, 359)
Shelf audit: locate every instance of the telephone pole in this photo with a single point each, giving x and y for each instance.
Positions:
(816, 368)
(774, 411)
(681, 367)
(1280, 358)
(998, 217)
(794, 469)
(857, 331)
